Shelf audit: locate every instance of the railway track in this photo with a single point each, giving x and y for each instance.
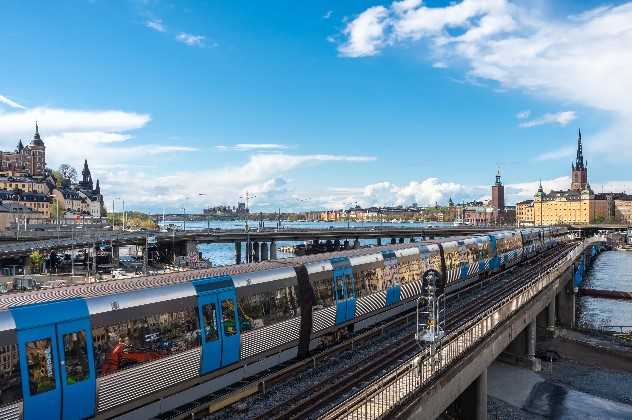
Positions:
(262, 383)
(393, 376)
(312, 400)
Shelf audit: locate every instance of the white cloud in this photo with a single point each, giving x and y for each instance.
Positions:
(526, 190)
(583, 59)
(424, 192)
(365, 33)
(250, 147)
(523, 114)
(190, 39)
(328, 14)
(11, 103)
(560, 118)
(561, 153)
(56, 120)
(156, 25)
(101, 136)
(262, 174)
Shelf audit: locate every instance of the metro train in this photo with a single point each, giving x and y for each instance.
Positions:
(153, 343)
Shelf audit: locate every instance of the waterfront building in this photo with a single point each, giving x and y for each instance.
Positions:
(577, 205)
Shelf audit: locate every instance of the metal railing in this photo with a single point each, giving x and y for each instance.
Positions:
(385, 394)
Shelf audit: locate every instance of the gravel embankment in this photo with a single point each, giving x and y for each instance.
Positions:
(604, 383)
(500, 410)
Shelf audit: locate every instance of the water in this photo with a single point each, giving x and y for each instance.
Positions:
(224, 253)
(612, 270)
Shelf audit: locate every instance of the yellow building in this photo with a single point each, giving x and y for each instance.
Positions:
(24, 184)
(623, 210)
(563, 207)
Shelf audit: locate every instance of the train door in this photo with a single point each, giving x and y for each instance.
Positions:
(76, 356)
(208, 311)
(229, 326)
(391, 276)
(494, 262)
(219, 322)
(344, 289)
(57, 368)
(464, 265)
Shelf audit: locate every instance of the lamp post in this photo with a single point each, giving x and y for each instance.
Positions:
(247, 197)
(208, 218)
(184, 210)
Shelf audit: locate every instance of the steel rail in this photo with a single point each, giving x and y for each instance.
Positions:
(329, 389)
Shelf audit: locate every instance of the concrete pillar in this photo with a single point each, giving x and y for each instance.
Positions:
(356, 243)
(248, 252)
(379, 241)
(237, 252)
(566, 302)
(191, 248)
(393, 240)
(255, 246)
(473, 401)
(273, 250)
(550, 317)
(264, 251)
(536, 366)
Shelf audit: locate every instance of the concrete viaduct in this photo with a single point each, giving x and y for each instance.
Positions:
(457, 372)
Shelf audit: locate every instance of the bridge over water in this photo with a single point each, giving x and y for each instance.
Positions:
(263, 243)
(424, 387)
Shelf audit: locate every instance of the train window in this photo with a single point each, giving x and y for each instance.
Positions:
(323, 293)
(348, 279)
(267, 308)
(41, 366)
(210, 322)
(340, 292)
(228, 317)
(76, 357)
(152, 337)
(368, 281)
(10, 374)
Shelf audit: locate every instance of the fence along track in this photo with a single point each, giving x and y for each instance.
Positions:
(385, 394)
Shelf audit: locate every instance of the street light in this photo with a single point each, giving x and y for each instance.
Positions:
(185, 218)
(247, 197)
(208, 218)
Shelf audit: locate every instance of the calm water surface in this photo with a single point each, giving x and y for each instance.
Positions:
(612, 270)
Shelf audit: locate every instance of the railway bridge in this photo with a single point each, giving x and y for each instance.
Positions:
(456, 371)
(260, 245)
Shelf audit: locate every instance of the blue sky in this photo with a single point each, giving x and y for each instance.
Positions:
(320, 104)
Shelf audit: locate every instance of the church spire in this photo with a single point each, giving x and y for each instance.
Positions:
(579, 161)
(498, 182)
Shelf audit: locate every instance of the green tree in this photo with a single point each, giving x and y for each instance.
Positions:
(37, 259)
(58, 178)
(68, 172)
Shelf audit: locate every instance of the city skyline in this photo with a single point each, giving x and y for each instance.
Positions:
(380, 104)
